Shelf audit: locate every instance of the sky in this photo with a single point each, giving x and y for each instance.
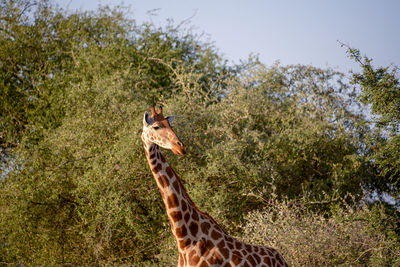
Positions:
(289, 31)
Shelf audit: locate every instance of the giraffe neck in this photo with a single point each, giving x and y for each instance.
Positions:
(200, 240)
(180, 208)
(188, 223)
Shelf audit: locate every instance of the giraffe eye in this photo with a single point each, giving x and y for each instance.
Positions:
(156, 127)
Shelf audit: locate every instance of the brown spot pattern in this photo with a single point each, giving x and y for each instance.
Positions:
(157, 168)
(176, 216)
(195, 216)
(205, 246)
(221, 244)
(202, 246)
(238, 244)
(251, 260)
(215, 235)
(184, 205)
(164, 182)
(237, 253)
(248, 247)
(225, 252)
(236, 259)
(176, 186)
(169, 171)
(280, 259)
(187, 217)
(172, 201)
(228, 250)
(184, 243)
(216, 258)
(194, 228)
(205, 227)
(228, 238)
(262, 252)
(257, 258)
(193, 258)
(181, 231)
(162, 158)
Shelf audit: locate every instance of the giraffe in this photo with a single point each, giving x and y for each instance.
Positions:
(199, 238)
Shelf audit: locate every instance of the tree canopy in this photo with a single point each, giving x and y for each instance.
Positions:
(380, 89)
(262, 141)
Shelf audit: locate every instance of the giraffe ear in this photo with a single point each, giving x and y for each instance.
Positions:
(147, 120)
(170, 119)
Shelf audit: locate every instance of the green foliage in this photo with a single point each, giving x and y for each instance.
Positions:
(292, 131)
(356, 235)
(380, 88)
(43, 50)
(75, 187)
(271, 136)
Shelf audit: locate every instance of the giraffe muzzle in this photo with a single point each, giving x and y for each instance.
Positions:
(179, 148)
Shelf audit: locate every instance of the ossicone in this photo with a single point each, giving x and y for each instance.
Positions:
(154, 113)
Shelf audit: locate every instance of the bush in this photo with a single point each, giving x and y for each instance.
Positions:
(356, 235)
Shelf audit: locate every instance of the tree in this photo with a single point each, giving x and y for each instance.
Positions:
(75, 188)
(380, 88)
(291, 131)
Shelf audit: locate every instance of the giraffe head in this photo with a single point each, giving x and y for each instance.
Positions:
(157, 129)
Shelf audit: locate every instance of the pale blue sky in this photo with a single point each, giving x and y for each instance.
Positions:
(291, 31)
